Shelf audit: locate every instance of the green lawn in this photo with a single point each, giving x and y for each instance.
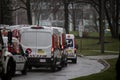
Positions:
(109, 74)
(90, 46)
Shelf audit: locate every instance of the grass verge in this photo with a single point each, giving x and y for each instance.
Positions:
(91, 46)
(109, 74)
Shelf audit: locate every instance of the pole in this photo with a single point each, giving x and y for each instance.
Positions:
(102, 25)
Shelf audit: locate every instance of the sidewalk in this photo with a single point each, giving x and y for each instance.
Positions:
(102, 57)
(106, 51)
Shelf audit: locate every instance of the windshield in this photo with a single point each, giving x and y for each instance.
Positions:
(36, 39)
(69, 42)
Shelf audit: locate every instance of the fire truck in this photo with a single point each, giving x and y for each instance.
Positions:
(42, 46)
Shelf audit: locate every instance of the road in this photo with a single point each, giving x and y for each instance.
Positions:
(83, 67)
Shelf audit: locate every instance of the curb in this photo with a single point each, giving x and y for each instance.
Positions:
(105, 63)
(102, 61)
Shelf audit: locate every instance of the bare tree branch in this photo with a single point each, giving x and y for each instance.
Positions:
(23, 1)
(17, 9)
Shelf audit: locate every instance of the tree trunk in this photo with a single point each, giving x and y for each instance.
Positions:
(117, 17)
(73, 16)
(29, 16)
(109, 21)
(101, 7)
(118, 61)
(1, 12)
(118, 68)
(66, 16)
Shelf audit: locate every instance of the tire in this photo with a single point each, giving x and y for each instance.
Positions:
(59, 68)
(13, 69)
(9, 74)
(74, 61)
(24, 71)
(53, 66)
(65, 62)
(29, 68)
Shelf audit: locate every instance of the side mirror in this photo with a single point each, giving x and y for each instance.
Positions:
(76, 46)
(26, 52)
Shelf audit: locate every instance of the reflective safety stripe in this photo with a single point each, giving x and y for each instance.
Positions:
(41, 56)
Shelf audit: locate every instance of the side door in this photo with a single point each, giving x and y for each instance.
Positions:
(19, 56)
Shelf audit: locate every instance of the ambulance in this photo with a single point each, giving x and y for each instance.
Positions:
(42, 46)
(71, 48)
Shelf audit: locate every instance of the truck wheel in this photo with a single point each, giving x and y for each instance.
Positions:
(53, 67)
(59, 68)
(74, 61)
(9, 74)
(29, 68)
(13, 69)
(65, 62)
(61, 65)
(24, 71)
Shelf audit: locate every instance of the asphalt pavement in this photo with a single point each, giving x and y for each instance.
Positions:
(86, 65)
(83, 67)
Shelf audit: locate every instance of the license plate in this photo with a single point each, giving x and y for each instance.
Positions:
(42, 60)
(40, 51)
(69, 61)
(69, 51)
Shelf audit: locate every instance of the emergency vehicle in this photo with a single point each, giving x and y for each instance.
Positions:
(12, 55)
(6, 61)
(71, 48)
(62, 37)
(42, 46)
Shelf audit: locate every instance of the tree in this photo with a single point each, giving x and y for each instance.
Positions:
(118, 68)
(66, 15)
(5, 14)
(27, 7)
(112, 14)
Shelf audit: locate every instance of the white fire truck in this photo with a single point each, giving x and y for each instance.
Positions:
(43, 47)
